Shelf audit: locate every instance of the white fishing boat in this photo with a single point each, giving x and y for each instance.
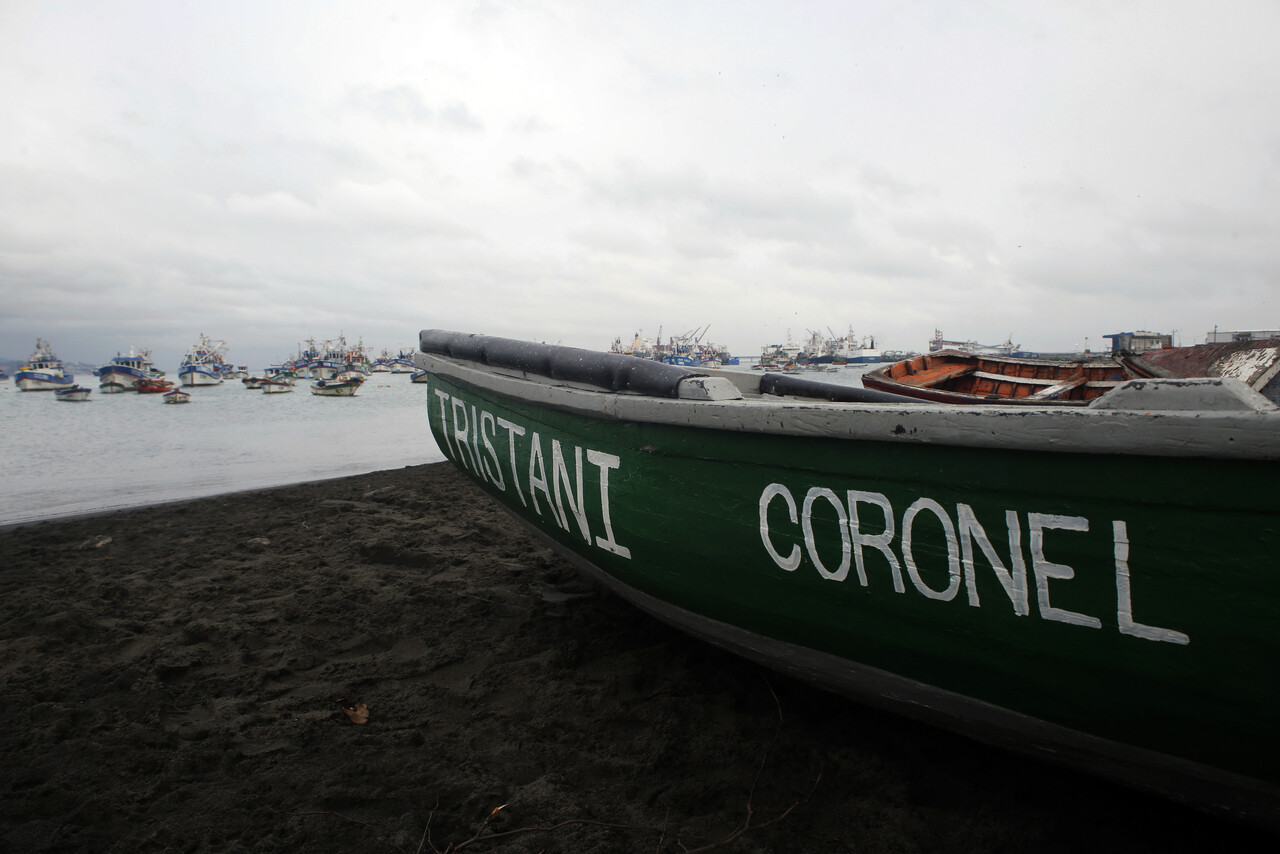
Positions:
(338, 357)
(779, 356)
(43, 371)
(1008, 349)
(125, 371)
(350, 372)
(639, 346)
(326, 363)
(204, 363)
(402, 362)
(284, 370)
(301, 363)
(847, 349)
(177, 395)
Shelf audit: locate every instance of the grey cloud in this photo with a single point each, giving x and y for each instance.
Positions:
(761, 210)
(404, 103)
(614, 241)
(394, 103)
(457, 117)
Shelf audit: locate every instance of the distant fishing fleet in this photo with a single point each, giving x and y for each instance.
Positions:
(336, 368)
(952, 371)
(818, 350)
(333, 367)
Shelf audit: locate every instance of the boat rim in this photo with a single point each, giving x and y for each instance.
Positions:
(624, 388)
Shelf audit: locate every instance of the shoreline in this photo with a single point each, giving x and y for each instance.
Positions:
(173, 676)
(76, 516)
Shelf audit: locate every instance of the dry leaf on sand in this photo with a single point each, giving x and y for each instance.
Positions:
(357, 712)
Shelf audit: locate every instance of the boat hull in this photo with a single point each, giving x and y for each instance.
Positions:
(323, 369)
(41, 381)
(74, 394)
(115, 378)
(190, 377)
(1112, 610)
(335, 388)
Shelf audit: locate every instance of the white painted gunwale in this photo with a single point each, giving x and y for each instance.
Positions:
(1252, 434)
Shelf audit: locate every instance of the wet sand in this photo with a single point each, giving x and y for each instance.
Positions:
(173, 680)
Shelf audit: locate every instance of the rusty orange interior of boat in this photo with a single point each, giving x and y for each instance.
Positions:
(1008, 378)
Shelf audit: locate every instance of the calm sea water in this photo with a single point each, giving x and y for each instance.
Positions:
(125, 450)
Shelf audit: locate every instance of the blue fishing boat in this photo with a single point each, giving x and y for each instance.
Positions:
(43, 371)
(327, 362)
(125, 371)
(301, 363)
(402, 362)
(204, 363)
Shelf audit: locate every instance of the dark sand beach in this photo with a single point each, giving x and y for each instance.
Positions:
(172, 681)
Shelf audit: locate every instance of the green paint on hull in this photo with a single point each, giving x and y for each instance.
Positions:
(1150, 588)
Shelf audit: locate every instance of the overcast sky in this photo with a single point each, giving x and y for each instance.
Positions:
(575, 171)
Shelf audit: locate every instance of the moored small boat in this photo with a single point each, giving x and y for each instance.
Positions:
(177, 395)
(336, 388)
(956, 376)
(153, 385)
(284, 370)
(74, 393)
(43, 371)
(277, 385)
(1090, 584)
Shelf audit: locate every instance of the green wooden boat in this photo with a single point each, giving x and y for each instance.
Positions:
(1094, 585)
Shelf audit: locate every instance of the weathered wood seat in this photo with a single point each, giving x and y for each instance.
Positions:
(1052, 390)
(933, 376)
